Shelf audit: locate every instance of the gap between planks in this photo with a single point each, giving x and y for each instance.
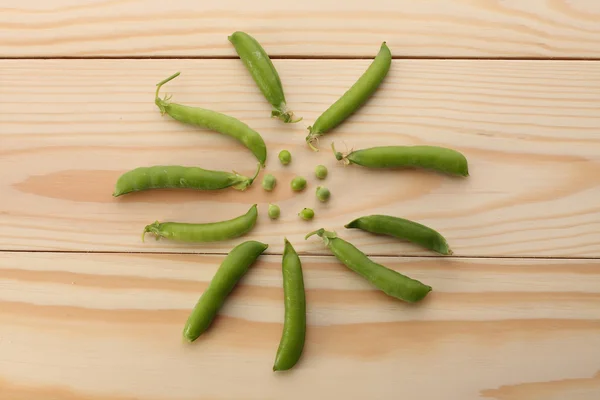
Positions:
(209, 253)
(300, 57)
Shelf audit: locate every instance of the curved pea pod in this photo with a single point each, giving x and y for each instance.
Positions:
(392, 283)
(261, 68)
(402, 229)
(427, 157)
(178, 177)
(293, 335)
(207, 232)
(354, 98)
(213, 120)
(232, 269)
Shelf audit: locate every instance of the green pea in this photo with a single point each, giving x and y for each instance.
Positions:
(274, 211)
(307, 214)
(294, 326)
(403, 229)
(298, 184)
(232, 269)
(321, 171)
(387, 280)
(428, 157)
(285, 157)
(207, 232)
(258, 63)
(323, 193)
(178, 177)
(214, 121)
(355, 97)
(269, 182)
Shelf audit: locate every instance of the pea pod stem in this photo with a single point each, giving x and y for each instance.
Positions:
(387, 280)
(212, 120)
(160, 103)
(339, 156)
(244, 185)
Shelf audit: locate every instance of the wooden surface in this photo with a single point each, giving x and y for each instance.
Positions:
(530, 133)
(90, 312)
(108, 327)
(428, 28)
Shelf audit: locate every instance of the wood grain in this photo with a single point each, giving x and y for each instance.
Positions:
(316, 28)
(529, 129)
(108, 326)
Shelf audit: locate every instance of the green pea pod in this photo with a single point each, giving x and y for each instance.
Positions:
(389, 281)
(294, 326)
(208, 232)
(427, 157)
(178, 177)
(213, 120)
(232, 269)
(354, 98)
(260, 66)
(403, 229)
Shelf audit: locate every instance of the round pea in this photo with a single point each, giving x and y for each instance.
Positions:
(307, 214)
(298, 184)
(285, 157)
(321, 171)
(274, 211)
(323, 193)
(269, 182)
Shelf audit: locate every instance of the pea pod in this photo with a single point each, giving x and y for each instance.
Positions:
(178, 177)
(428, 157)
(260, 66)
(208, 232)
(389, 281)
(294, 326)
(403, 229)
(213, 120)
(354, 98)
(231, 270)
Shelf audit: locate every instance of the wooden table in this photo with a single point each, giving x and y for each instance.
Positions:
(89, 312)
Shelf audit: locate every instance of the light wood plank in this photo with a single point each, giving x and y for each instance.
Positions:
(108, 326)
(432, 28)
(531, 132)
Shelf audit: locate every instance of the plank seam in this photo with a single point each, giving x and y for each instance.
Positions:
(475, 257)
(300, 57)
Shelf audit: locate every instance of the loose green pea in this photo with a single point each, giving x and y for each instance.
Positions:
(269, 182)
(323, 193)
(307, 214)
(274, 211)
(285, 157)
(321, 171)
(298, 184)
